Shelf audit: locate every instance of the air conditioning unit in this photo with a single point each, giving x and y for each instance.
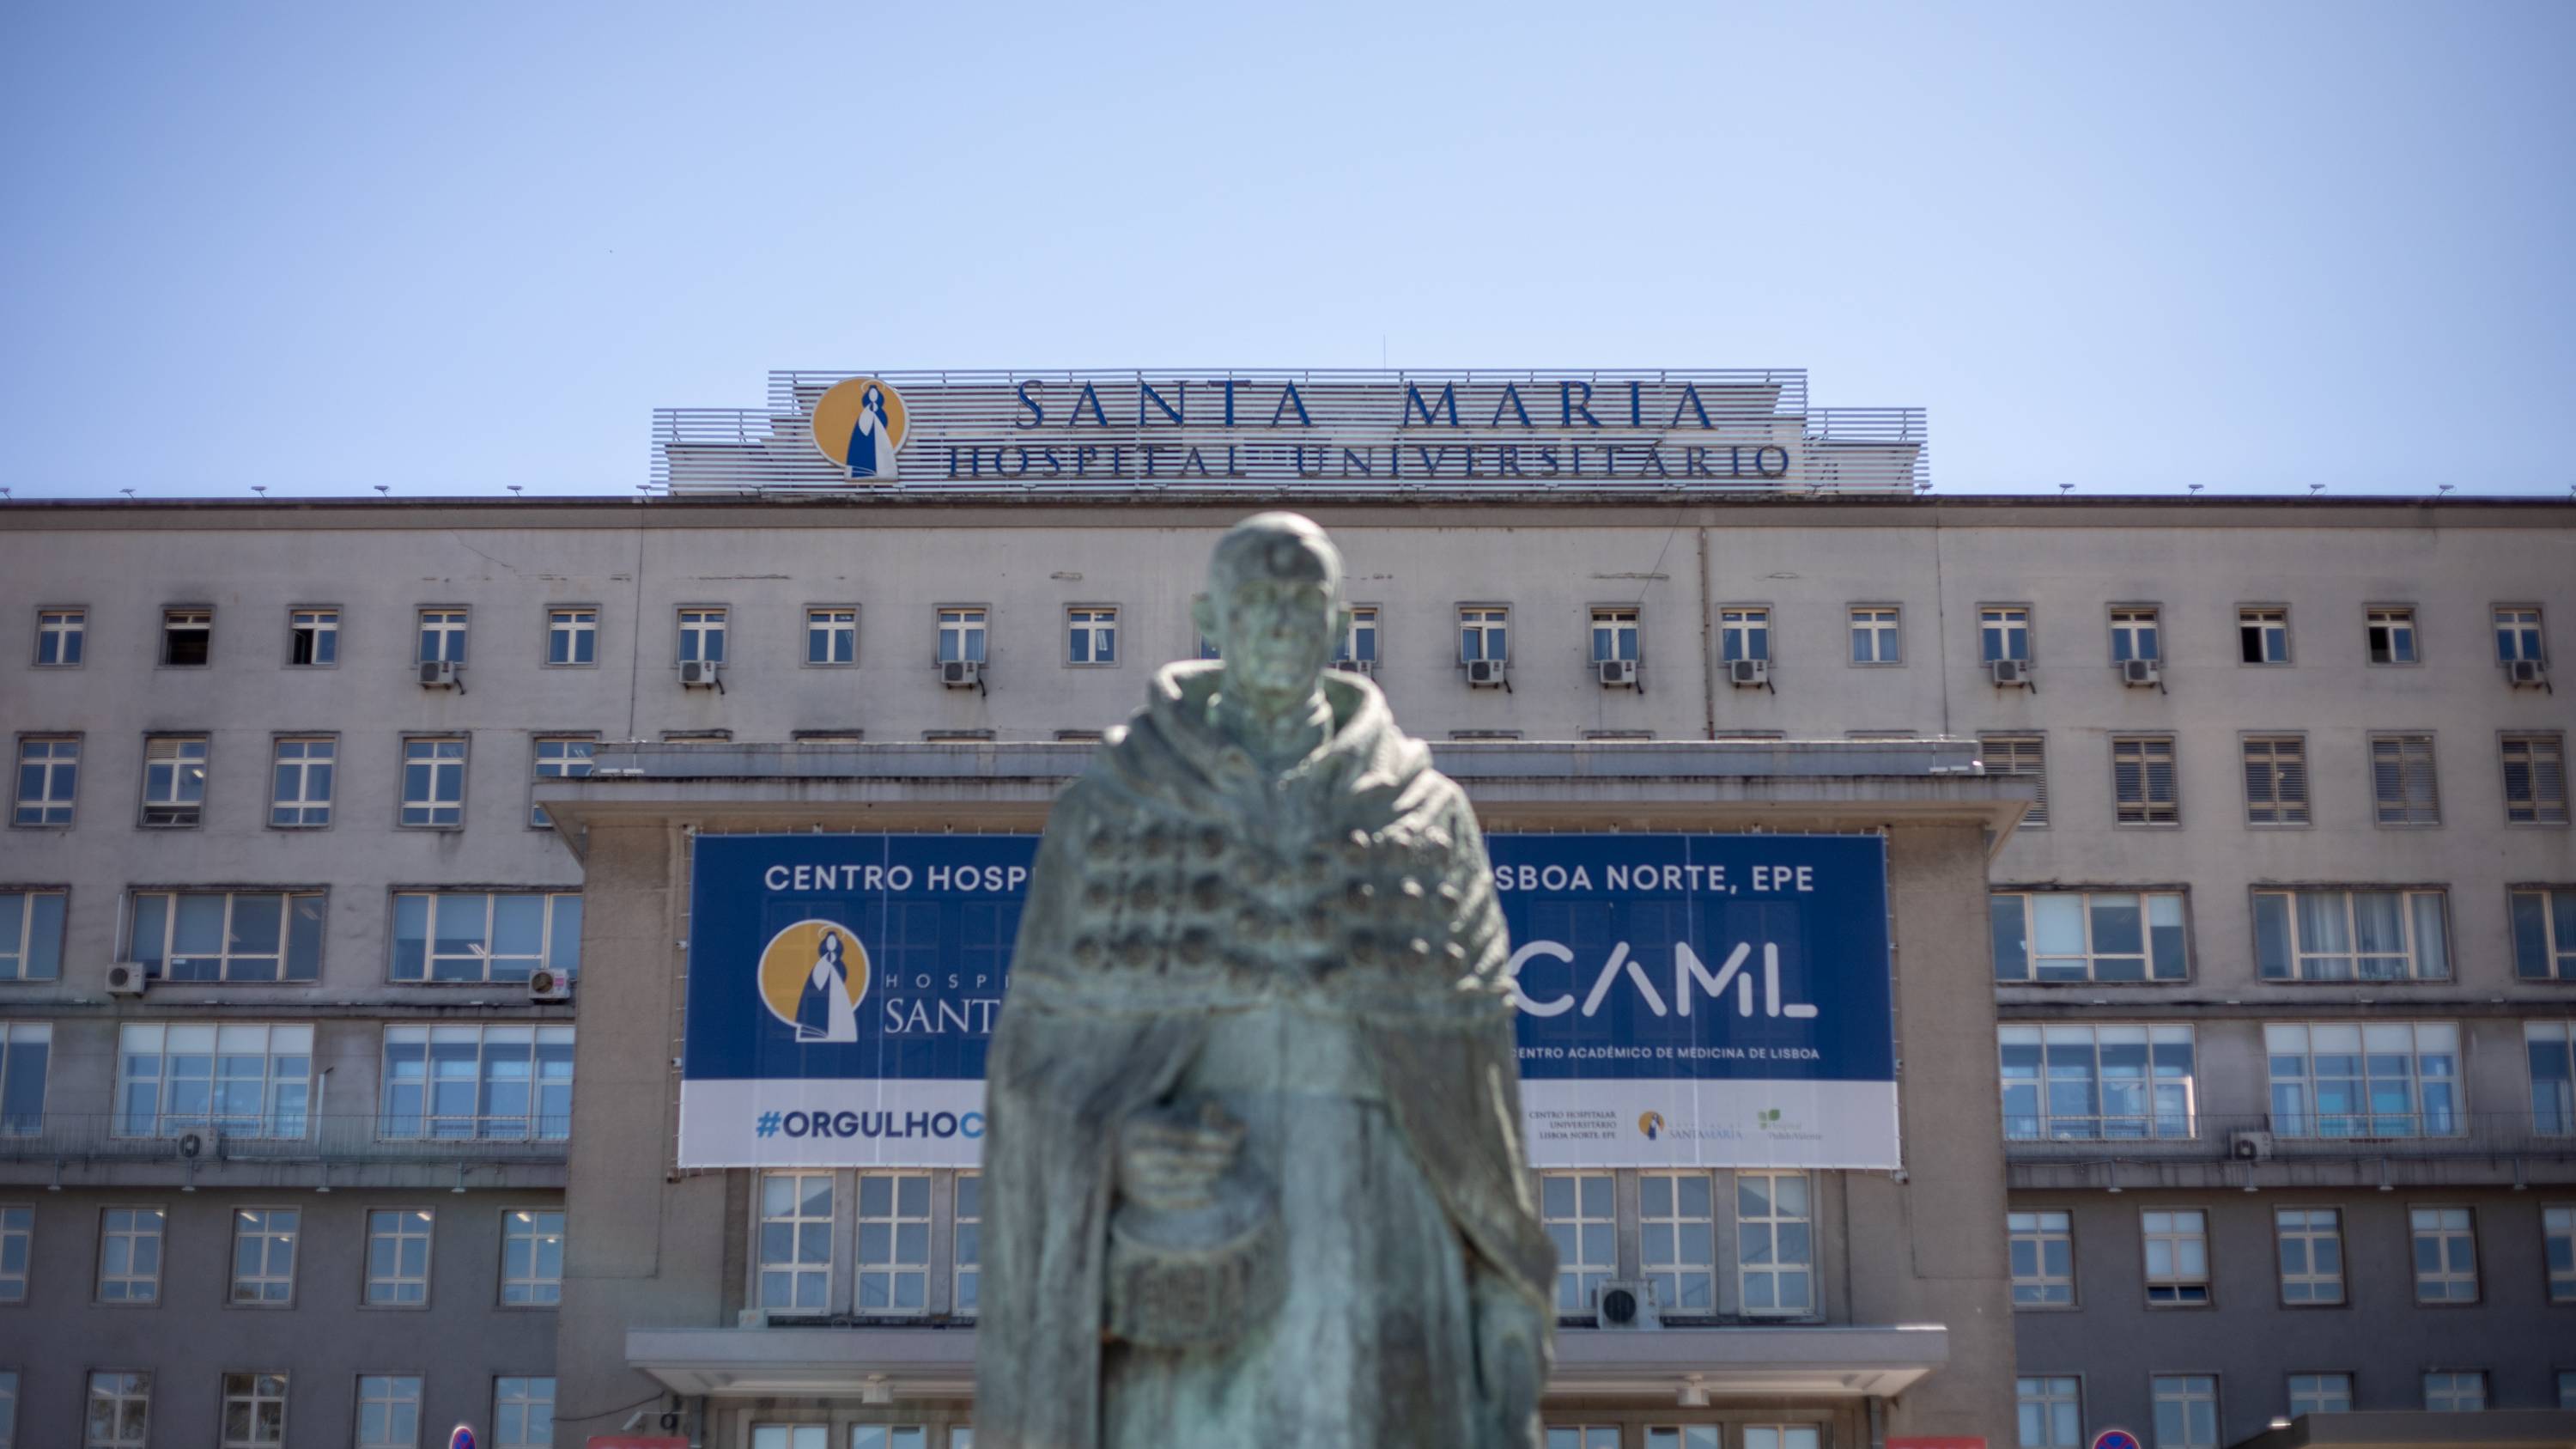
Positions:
(2250, 1146)
(1618, 673)
(127, 978)
(547, 984)
(1485, 673)
(699, 674)
(1356, 666)
(1626, 1303)
(2141, 673)
(438, 674)
(1748, 673)
(2526, 674)
(2009, 673)
(201, 1144)
(962, 673)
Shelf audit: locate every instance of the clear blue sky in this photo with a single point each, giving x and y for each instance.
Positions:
(454, 247)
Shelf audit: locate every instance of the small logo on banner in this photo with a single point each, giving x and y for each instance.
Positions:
(1652, 1124)
(813, 975)
(860, 423)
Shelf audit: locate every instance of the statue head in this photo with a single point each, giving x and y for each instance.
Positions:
(1274, 607)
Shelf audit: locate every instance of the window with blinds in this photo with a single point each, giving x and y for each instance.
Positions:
(2020, 755)
(2535, 779)
(2276, 780)
(2142, 780)
(2402, 790)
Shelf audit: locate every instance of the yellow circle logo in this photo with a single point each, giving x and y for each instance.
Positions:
(813, 975)
(1652, 1124)
(860, 424)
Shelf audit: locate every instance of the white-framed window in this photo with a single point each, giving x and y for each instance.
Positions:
(1775, 1436)
(264, 1242)
(889, 1436)
(2262, 636)
(388, 1411)
(561, 757)
(2003, 632)
(2550, 1047)
(1614, 635)
(961, 635)
(2390, 634)
(120, 1410)
(2544, 933)
(17, 1249)
(2024, 757)
(499, 1083)
(2558, 1240)
(129, 1254)
(2051, 1412)
(2177, 1243)
(2082, 1082)
(2365, 1079)
(523, 1412)
(2143, 786)
(1577, 1210)
(1775, 1243)
(2089, 936)
(398, 1241)
(60, 633)
(2042, 1246)
(791, 1436)
(2535, 778)
(442, 636)
(572, 636)
(2320, 1394)
(702, 636)
(2361, 935)
(532, 1249)
(795, 1241)
(249, 1079)
(832, 635)
(312, 638)
(1091, 636)
(1688, 1436)
(1877, 634)
(2133, 634)
(476, 936)
(967, 1243)
(2403, 790)
(1744, 633)
(2310, 1241)
(174, 780)
(2455, 1392)
(2276, 779)
(433, 795)
(1484, 633)
(2517, 634)
(26, 1048)
(893, 1267)
(1582, 1436)
(31, 935)
(187, 637)
(300, 771)
(48, 780)
(1359, 641)
(254, 1410)
(1677, 1239)
(227, 936)
(2186, 1411)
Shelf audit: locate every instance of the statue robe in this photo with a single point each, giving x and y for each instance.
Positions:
(1320, 952)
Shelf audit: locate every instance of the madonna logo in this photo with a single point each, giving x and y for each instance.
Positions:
(813, 975)
(860, 423)
(1652, 1124)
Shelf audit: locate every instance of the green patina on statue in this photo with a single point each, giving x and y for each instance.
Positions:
(1253, 1166)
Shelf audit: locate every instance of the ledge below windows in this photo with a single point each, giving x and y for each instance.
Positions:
(76, 1151)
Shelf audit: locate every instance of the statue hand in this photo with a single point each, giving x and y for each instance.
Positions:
(1169, 1158)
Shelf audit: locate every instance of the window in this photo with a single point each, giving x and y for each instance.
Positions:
(2051, 1411)
(1614, 635)
(2392, 636)
(1877, 635)
(2535, 779)
(434, 783)
(228, 935)
(498, 1083)
(2567, 1388)
(2025, 757)
(187, 636)
(1744, 633)
(1769, 1436)
(2327, 935)
(2458, 1393)
(1774, 1238)
(299, 795)
(1359, 642)
(2544, 934)
(120, 1410)
(967, 1242)
(2551, 1048)
(48, 777)
(2311, 1249)
(254, 1411)
(8, 1408)
(561, 757)
(791, 1436)
(129, 1255)
(532, 1244)
(1582, 1436)
(1677, 1240)
(572, 636)
(2142, 780)
(2074, 1083)
(59, 635)
(702, 636)
(795, 1241)
(2043, 1259)
(2320, 1394)
(831, 636)
(2517, 635)
(1091, 636)
(2003, 632)
(2401, 780)
(2365, 1079)
(2177, 1257)
(2276, 780)
(264, 1254)
(174, 780)
(1207, 648)
(17, 1248)
(1698, 1436)
(2133, 635)
(2446, 1255)
(398, 1257)
(523, 1413)
(442, 636)
(25, 1048)
(478, 936)
(2263, 636)
(2089, 936)
(889, 1436)
(961, 635)
(312, 638)
(894, 1242)
(2557, 1229)
(250, 1080)
(1576, 1209)
(31, 935)
(2186, 1411)
(1481, 635)
(388, 1411)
